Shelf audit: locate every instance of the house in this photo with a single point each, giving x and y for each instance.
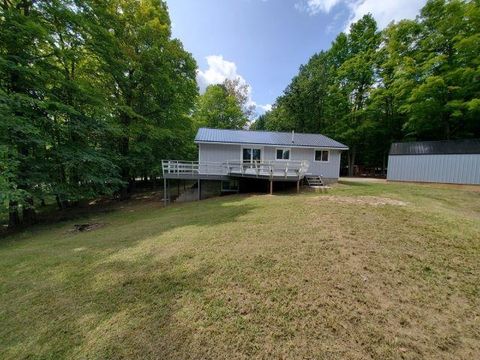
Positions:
(231, 157)
(450, 161)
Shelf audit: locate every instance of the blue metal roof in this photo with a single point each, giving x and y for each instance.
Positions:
(266, 138)
(467, 146)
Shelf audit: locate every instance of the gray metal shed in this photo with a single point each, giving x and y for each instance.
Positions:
(448, 161)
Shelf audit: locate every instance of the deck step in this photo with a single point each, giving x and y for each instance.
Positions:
(314, 180)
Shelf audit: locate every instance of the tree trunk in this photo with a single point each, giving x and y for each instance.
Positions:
(447, 129)
(124, 192)
(384, 162)
(132, 186)
(29, 215)
(13, 218)
(59, 202)
(351, 161)
(124, 148)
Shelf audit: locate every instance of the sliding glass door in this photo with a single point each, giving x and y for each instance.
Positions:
(251, 155)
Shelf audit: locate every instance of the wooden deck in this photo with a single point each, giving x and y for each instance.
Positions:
(268, 170)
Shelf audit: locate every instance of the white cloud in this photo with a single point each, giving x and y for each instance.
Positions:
(265, 108)
(218, 71)
(384, 11)
(315, 6)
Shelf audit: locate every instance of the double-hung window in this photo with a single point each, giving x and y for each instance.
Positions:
(322, 155)
(283, 154)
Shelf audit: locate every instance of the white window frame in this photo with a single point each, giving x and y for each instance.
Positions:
(283, 149)
(321, 161)
(261, 148)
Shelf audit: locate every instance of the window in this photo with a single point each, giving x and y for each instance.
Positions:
(321, 155)
(283, 154)
(250, 155)
(229, 186)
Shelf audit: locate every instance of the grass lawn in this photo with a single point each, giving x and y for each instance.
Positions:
(366, 271)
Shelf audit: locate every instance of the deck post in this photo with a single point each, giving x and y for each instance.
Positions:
(271, 187)
(199, 189)
(298, 186)
(165, 190)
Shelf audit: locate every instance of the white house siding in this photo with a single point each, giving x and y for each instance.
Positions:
(217, 153)
(224, 152)
(454, 169)
(328, 170)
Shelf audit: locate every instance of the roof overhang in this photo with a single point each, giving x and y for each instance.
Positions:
(273, 145)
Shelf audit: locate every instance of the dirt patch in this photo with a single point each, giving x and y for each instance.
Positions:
(85, 227)
(362, 200)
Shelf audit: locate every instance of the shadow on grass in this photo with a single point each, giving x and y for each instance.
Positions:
(138, 316)
(357, 183)
(112, 292)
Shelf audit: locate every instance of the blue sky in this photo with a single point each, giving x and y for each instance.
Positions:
(265, 41)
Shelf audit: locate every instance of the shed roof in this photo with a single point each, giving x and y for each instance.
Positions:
(468, 146)
(266, 138)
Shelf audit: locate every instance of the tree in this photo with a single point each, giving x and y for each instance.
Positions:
(415, 80)
(260, 123)
(24, 74)
(331, 92)
(53, 132)
(241, 92)
(355, 78)
(92, 95)
(217, 108)
(444, 102)
(395, 69)
(152, 81)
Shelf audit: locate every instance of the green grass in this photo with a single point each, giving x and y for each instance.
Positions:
(283, 276)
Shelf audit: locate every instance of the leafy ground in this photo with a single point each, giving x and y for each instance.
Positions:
(365, 271)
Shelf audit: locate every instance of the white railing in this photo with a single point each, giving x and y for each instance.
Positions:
(265, 168)
(180, 167)
(268, 168)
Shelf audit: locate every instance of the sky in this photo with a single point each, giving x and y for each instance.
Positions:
(264, 42)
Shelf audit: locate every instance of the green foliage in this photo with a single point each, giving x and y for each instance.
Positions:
(414, 80)
(92, 95)
(150, 77)
(448, 72)
(218, 108)
(260, 123)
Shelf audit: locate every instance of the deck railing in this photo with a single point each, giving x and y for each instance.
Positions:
(268, 168)
(263, 168)
(180, 167)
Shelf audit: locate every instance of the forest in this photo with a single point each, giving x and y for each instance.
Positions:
(94, 94)
(415, 80)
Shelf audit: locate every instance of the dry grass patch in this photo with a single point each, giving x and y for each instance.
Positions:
(361, 200)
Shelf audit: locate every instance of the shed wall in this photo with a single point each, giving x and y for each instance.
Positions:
(453, 168)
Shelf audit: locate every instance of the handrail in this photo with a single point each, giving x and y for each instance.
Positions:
(256, 168)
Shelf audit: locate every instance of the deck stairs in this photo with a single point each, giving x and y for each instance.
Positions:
(316, 182)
